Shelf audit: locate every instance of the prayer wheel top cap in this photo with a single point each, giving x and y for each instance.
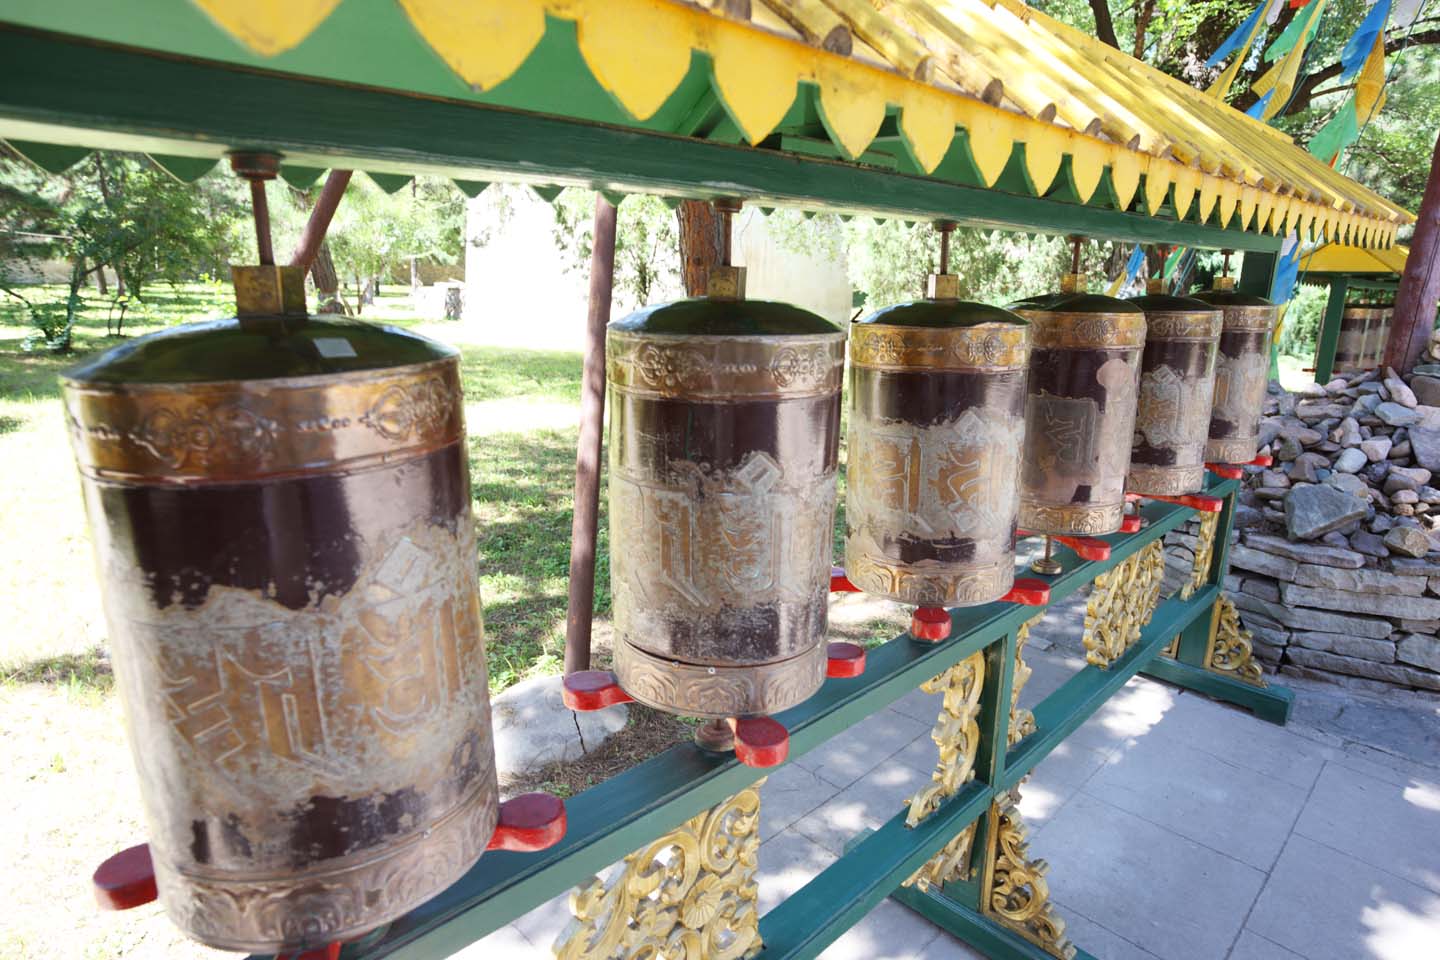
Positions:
(1088, 303)
(259, 348)
(943, 313)
(1171, 303)
(706, 317)
(1222, 297)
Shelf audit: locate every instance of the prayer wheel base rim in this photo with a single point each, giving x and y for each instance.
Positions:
(941, 585)
(716, 692)
(1232, 450)
(1087, 520)
(1169, 481)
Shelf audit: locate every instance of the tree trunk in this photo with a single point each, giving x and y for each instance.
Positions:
(1419, 292)
(1104, 24)
(700, 244)
(327, 283)
(1143, 16)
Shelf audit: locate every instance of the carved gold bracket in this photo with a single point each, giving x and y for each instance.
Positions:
(692, 893)
(1122, 602)
(957, 735)
(1204, 555)
(1231, 652)
(1172, 649)
(1013, 890)
(1022, 722)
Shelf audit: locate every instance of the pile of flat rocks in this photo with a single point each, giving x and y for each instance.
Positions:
(1336, 563)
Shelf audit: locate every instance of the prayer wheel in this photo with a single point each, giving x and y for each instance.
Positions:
(1380, 315)
(1177, 381)
(724, 435)
(1354, 346)
(281, 514)
(1242, 372)
(937, 391)
(1079, 410)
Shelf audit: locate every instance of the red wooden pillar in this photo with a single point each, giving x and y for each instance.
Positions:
(1419, 292)
(583, 523)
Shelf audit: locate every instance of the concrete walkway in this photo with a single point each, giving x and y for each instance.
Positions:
(1176, 828)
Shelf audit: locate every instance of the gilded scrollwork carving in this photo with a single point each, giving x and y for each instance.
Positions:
(1022, 722)
(1231, 651)
(1013, 890)
(1204, 555)
(692, 893)
(957, 735)
(1121, 603)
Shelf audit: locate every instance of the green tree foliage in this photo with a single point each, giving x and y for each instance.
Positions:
(647, 242)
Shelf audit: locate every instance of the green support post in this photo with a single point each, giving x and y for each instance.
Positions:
(1329, 338)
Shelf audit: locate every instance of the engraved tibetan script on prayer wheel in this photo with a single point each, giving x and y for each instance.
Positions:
(724, 435)
(281, 513)
(1242, 372)
(1377, 332)
(937, 392)
(1079, 411)
(1177, 381)
(1353, 349)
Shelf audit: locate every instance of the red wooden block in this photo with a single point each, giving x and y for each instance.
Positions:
(587, 690)
(328, 952)
(528, 823)
(1195, 501)
(930, 623)
(1263, 460)
(1028, 592)
(1087, 548)
(760, 741)
(845, 660)
(1225, 471)
(839, 583)
(125, 880)
(1131, 523)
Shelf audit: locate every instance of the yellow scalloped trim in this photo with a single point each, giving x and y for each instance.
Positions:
(852, 111)
(484, 43)
(268, 27)
(641, 76)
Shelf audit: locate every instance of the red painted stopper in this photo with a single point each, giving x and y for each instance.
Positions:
(125, 880)
(587, 690)
(1201, 502)
(839, 583)
(1131, 523)
(845, 660)
(1028, 592)
(760, 741)
(1087, 548)
(930, 623)
(529, 823)
(1225, 471)
(330, 951)
(1262, 460)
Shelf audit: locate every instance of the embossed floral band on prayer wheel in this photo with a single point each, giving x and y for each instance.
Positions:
(724, 434)
(1242, 372)
(1353, 347)
(1080, 410)
(937, 392)
(281, 514)
(1177, 383)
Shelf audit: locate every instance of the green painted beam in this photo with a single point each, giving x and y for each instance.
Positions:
(987, 936)
(58, 90)
(1272, 703)
(1329, 339)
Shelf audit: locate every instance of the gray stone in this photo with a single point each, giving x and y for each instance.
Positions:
(1424, 441)
(1398, 481)
(1380, 523)
(1356, 581)
(1426, 389)
(1351, 460)
(1376, 448)
(1405, 496)
(1429, 494)
(1400, 393)
(1302, 619)
(1362, 648)
(1338, 538)
(1274, 636)
(1312, 390)
(1349, 483)
(1297, 431)
(534, 728)
(1287, 449)
(1416, 568)
(1419, 476)
(1415, 608)
(1348, 433)
(1262, 588)
(1259, 561)
(1273, 478)
(1313, 410)
(1410, 542)
(1420, 650)
(1428, 369)
(1314, 511)
(1309, 552)
(1307, 466)
(1401, 449)
(1355, 667)
(1419, 626)
(1367, 404)
(1341, 680)
(1369, 544)
(1336, 385)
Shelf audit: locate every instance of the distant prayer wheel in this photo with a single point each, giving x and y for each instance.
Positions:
(1378, 334)
(280, 507)
(937, 391)
(1177, 383)
(1079, 410)
(724, 434)
(1242, 372)
(1355, 344)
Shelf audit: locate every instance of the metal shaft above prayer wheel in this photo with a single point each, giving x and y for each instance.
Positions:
(724, 434)
(937, 391)
(280, 507)
(1080, 410)
(1242, 372)
(1177, 381)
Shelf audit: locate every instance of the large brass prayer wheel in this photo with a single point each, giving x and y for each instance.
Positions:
(1353, 347)
(281, 512)
(1177, 383)
(1079, 411)
(1377, 334)
(1242, 372)
(724, 436)
(937, 421)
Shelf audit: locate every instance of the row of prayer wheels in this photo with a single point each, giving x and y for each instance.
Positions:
(281, 514)
(1364, 331)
